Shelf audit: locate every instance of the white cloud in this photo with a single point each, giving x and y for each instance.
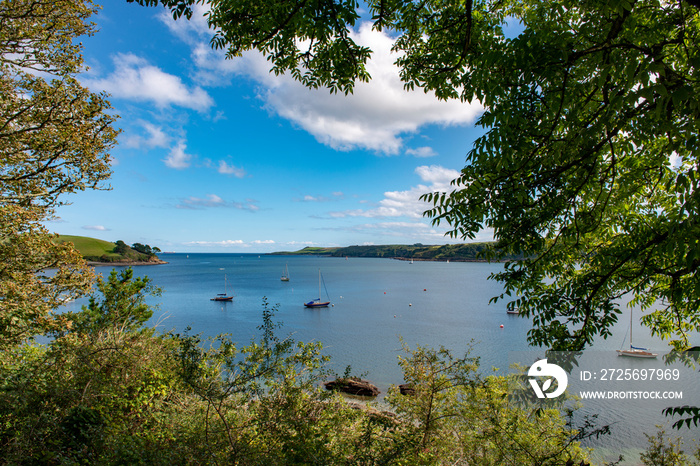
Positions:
(407, 203)
(230, 243)
(336, 195)
(135, 79)
(424, 151)
(375, 117)
(178, 158)
(438, 177)
(225, 243)
(154, 137)
(212, 200)
(226, 169)
(301, 243)
(408, 233)
(402, 232)
(95, 228)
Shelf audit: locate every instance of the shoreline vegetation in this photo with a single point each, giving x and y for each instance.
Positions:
(97, 252)
(468, 252)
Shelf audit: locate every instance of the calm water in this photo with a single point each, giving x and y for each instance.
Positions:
(376, 301)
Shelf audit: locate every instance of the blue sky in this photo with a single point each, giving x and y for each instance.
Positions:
(220, 155)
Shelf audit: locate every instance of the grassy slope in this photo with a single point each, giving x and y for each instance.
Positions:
(94, 249)
(90, 247)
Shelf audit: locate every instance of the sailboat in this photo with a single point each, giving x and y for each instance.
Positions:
(223, 296)
(635, 352)
(318, 302)
(285, 275)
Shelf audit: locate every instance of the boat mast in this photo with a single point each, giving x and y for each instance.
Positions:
(631, 312)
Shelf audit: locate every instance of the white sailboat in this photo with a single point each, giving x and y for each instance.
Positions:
(633, 351)
(318, 302)
(285, 275)
(222, 296)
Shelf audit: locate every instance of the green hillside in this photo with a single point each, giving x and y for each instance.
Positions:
(90, 247)
(97, 250)
(455, 252)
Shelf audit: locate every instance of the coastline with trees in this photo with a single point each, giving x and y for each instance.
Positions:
(468, 252)
(99, 252)
(585, 111)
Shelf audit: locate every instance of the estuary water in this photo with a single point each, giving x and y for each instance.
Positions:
(377, 302)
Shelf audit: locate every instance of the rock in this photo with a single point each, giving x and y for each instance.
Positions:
(406, 389)
(352, 386)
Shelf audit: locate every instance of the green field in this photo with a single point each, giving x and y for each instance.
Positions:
(97, 250)
(90, 247)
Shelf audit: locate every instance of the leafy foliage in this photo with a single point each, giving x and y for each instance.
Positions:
(455, 416)
(310, 40)
(692, 411)
(663, 451)
(145, 249)
(54, 139)
(121, 247)
(119, 304)
(597, 194)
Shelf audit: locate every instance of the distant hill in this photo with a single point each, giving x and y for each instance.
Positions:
(453, 252)
(99, 251)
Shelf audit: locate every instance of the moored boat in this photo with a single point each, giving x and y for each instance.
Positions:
(317, 302)
(222, 296)
(633, 351)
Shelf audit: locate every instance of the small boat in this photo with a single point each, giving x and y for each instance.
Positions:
(285, 275)
(222, 296)
(317, 302)
(513, 311)
(634, 351)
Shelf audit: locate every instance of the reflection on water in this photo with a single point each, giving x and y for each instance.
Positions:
(374, 302)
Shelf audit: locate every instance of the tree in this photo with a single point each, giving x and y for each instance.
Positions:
(121, 247)
(452, 415)
(664, 451)
(121, 304)
(589, 163)
(54, 139)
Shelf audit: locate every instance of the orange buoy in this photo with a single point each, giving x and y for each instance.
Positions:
(501, 325)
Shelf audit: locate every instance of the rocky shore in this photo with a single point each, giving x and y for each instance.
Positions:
(125, 263)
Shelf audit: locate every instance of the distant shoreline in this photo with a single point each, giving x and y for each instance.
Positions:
(125, 263)
(450, 259)
(466, 252)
